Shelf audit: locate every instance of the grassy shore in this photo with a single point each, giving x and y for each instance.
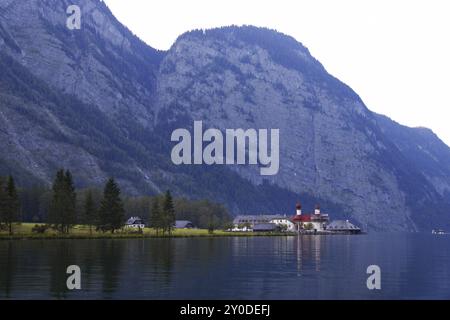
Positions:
(24, 232)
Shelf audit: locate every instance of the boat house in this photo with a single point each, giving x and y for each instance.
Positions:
(341, 226)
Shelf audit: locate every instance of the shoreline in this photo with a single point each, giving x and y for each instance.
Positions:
(122, 236)
(24, 237)
(82, 232)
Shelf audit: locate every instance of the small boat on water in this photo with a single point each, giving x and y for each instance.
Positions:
(438, 231)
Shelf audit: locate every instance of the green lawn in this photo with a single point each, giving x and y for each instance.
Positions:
(24, 231)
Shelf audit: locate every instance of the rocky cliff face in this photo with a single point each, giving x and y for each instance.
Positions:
(74, 98)
(331, 145)
(102, 64)
(99, 101)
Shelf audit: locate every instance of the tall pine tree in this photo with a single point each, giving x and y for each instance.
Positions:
(2, 204)
(90, 211)
(9, 204)
(156, 221)
(168, 216)
(71, 200)
(62, 213)
(111, 213)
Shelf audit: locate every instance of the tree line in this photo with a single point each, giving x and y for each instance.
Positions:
(62, 214)
(62, 206)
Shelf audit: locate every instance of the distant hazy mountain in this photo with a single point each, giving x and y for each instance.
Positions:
(101, 102)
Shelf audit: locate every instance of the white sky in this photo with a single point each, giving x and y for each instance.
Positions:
(394, 53)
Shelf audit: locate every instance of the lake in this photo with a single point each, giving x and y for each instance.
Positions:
(413, 266)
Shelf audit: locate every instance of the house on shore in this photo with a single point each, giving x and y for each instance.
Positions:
(184, 224)
(135, 223)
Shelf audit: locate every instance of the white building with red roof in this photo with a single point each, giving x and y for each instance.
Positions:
(316, 221)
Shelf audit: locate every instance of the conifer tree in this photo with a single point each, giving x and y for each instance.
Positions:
(2, 204)
(112, 213)
(56, 210)
(9, 204)
(168, 216)
(70, 198)
(156, 221)
(90, 211)
(62, 213)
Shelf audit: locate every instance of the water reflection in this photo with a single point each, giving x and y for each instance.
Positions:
(60, 256)
(308, 248)
(161, 261)
(299, 256)
(111, 253)
(303, 267)
(8, 266)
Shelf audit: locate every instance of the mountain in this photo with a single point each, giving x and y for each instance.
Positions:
(101, 102)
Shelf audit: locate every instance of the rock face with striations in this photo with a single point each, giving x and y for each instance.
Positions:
(101, 102)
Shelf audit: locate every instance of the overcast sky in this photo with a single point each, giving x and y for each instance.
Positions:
(394, 53)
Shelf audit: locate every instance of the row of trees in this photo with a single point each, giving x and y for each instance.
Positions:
(162, 216)
(109, 216)
(62, 211)
(204, 214)
(62, 207)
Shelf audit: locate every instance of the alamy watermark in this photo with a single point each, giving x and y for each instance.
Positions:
(74, 280)
(73, 21)
(239, 146)
(374, 280)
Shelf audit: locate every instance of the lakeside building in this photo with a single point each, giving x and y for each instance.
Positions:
(266, 227)
(248, 222)
(135, 223)
(316, 221)
(184, 224)
(284, 223)
(341, 226)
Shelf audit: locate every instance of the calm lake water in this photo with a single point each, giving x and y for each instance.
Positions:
(413, 266)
